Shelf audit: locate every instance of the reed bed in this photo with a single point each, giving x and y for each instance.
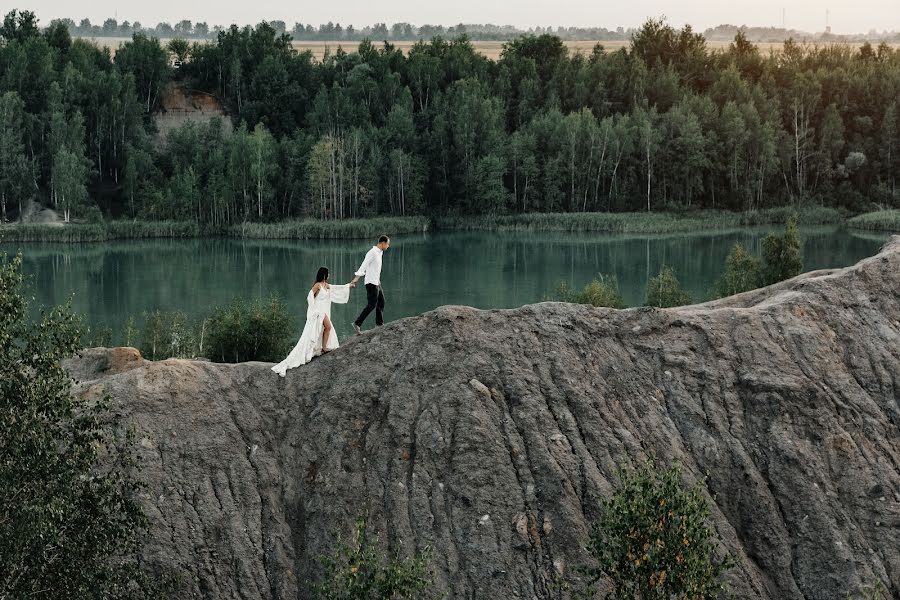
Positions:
(659, 222)
(331, 230)
(882, 220)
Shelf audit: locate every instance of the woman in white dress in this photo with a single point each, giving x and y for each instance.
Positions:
(318, 335)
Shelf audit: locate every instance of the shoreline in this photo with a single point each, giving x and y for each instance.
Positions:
(310, 229)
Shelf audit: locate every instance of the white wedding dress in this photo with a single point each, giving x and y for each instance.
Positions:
(310, 344)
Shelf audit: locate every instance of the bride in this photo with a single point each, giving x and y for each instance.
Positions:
(318, 335)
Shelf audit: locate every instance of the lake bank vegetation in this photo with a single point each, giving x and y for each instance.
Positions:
(666, 124)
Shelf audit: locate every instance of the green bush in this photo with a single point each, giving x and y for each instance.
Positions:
(69, 525)
(603, 292)
(358, 571)
(652, 539)
(782, 256)
(168, 335)
(257, 331)
(742, 273)
(664, 290)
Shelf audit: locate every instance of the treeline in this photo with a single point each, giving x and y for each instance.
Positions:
(335, 31)
(442, 130)
(726, 32)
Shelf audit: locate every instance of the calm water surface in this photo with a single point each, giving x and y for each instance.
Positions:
(116, 280)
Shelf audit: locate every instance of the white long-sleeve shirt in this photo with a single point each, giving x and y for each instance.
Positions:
(371, 266)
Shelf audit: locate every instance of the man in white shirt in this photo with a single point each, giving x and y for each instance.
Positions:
(371, 268)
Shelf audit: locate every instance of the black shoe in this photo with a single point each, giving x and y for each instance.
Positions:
(356, 328)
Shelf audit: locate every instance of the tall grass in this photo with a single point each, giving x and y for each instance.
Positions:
(100, 232)
(882, 220)
(639, 223)
(133, 230)
(348, 229)
(659, 222)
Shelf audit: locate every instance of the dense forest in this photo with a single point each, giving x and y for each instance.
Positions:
(442, 130)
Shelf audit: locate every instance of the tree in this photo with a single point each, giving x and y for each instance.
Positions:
(262, 167)
(742, 273)
(648, 137)
(14, 181)
(69, 176)
(652, 540)
(890, 145)
(69, 525)
(19, 26)
(180, 47)
(782, 256)
(146, 60)
(664, 291)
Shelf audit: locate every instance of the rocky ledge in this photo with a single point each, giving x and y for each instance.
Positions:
(488, 435)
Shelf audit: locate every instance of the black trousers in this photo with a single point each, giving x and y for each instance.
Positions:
(375, 301)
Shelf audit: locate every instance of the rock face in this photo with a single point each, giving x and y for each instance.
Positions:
(488, 435)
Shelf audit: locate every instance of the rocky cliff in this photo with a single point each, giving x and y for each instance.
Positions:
(488, 435)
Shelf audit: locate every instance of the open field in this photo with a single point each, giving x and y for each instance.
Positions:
(491, 49)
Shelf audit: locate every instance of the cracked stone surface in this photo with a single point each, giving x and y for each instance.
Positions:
(488, 435)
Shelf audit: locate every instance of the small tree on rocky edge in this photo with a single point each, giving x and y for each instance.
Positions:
(742, 273)
(69, 520)
(358, 570)
(782, 256)
(664, 290)
(652, 540)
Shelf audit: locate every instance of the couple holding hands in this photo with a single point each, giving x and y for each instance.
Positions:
(318, 335)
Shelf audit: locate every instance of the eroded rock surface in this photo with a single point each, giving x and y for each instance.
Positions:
(488, 435)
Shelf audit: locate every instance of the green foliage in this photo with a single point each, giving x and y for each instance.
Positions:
(742, 273)
(664, 290)
(250, 331)
(358, 570)
(652, 539)
(69, 525)
(782, 255)
(869, 592)
(603, 292)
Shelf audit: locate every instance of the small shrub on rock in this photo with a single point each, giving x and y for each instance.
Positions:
(358, 571)
(652, 539)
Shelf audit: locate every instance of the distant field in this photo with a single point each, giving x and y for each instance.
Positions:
(491, 49)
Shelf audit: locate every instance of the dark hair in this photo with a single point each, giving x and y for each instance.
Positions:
(321, 274)
(383, 239)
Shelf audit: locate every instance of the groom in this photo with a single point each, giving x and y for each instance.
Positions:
(371, 268)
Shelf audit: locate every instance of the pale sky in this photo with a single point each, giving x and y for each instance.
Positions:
(846, 16)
